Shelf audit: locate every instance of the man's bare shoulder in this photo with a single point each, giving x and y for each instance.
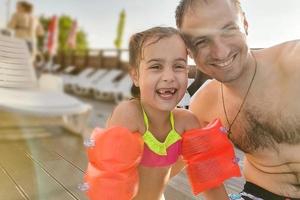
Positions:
(186, 119)
(125, 114)
(286, 55)
(290, 47)
(290, 56)
(204, 99)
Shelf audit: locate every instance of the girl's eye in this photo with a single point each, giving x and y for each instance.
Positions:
(180, 66)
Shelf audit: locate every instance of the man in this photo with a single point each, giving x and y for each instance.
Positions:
(255, 94)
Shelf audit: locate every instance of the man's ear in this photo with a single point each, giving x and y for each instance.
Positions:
(134, 76)
(245, 23)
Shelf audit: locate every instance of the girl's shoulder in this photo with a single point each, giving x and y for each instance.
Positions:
(126, 114)
(185, 119)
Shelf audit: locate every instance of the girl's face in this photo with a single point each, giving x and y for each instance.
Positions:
(162, 74)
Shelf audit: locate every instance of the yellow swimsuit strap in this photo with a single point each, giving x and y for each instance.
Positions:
(156, 146)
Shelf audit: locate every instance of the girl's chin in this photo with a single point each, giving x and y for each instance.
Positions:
(167, 106)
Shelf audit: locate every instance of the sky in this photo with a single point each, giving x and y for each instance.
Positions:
(270, 21)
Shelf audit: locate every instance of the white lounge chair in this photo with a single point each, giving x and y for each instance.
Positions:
(123, 91)
(70, 80)
(84, 87)
(119, 89)
(19, 89)
(53, 68)
(106, 81)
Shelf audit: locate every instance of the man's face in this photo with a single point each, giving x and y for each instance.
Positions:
(217, 39)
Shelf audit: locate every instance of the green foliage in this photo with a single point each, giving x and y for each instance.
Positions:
(81, 42)
(41, 40)
(120, 30)
(65, 25)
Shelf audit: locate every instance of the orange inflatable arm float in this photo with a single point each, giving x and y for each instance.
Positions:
(114, 155)
(209, 156)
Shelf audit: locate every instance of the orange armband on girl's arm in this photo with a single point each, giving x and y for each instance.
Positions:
(209, 156)
(114, 155)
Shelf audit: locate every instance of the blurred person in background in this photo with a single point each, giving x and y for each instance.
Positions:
(26, 26)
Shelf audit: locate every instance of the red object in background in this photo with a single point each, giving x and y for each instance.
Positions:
(71, 42)
(52, 35)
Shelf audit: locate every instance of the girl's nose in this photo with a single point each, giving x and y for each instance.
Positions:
(168, 75)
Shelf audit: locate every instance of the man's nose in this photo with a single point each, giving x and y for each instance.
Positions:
(219, 49)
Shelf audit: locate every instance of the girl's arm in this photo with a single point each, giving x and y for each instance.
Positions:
(114, 154)
(177, 167)
(125, 114)
(187, 120)
(210, 157)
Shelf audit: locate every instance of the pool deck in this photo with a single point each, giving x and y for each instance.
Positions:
(39, 159)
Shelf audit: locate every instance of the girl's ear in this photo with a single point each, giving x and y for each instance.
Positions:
(134, 76)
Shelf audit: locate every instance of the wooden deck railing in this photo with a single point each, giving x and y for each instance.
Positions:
(98, 58)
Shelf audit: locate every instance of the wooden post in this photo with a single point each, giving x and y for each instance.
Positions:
(62, 59)
(101, 58)
(73, 58)
(87, 58)
(119, 58)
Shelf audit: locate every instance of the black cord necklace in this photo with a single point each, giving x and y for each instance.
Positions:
(242, 104)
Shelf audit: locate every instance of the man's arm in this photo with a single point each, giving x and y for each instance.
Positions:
(289, 58)
(203, 101)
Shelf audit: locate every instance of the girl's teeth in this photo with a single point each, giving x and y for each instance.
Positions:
(166, 91)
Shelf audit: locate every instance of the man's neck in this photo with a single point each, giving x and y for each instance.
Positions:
(241, 84)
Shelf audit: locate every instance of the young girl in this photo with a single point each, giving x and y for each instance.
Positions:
(148, 127)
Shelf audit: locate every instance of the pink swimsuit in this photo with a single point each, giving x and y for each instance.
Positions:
(151, 159)
(160, 154)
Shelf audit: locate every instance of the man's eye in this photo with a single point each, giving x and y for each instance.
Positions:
(154, 67)
(232, 27)
(200, 42)
(230, 30)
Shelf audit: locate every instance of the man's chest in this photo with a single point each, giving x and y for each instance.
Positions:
(262, 123)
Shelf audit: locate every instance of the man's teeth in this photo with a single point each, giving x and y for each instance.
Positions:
(224, 64)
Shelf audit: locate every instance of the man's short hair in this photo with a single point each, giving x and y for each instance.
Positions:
(184, 5)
